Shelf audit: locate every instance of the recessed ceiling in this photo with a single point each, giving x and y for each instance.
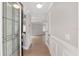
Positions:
(38, 14)
(31, 6)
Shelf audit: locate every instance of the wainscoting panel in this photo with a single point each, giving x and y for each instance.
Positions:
(61, 48)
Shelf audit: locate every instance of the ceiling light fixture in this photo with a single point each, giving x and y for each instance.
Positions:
(16, 6)
(39, 6)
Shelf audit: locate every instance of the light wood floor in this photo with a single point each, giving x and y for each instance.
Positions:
(38, 48)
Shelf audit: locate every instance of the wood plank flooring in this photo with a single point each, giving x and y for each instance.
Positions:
(37, 48)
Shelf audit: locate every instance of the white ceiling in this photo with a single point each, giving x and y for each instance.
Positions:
(38, 15)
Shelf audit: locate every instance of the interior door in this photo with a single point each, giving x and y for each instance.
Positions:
(11, 28)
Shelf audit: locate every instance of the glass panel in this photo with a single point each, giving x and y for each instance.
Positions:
(4, 28)
(15, 46)
(9, 27)
(16, 28)
(9, 46)
(15, 31)
(4, 48)
(16, 14)
(15, 53)
(9, 11)
(9, 37)
(4, 9)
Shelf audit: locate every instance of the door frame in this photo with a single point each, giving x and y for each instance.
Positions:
(21, 28)
(78, 28)
(1, 29)
(1, 26)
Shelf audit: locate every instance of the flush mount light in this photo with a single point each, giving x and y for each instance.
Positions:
(16, 6)
(39, 6)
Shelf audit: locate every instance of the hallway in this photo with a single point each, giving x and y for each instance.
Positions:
(38, 48)
(39, 28)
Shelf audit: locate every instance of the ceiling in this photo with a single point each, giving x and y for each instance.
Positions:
(38, 15)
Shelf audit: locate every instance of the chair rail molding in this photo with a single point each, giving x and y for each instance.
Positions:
(65, 46)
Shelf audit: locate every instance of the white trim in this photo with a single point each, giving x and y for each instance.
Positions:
(20, 29)
(0, 28)
(20, 32)
(50, 6)
(71, 49)
(78, 28)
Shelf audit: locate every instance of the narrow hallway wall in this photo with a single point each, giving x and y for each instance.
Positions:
(37, 29)
(63, 28)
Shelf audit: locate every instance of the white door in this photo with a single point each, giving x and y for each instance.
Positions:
(11, 28)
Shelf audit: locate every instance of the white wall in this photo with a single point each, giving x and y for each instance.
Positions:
(37, 29)
(63, 28)
(39, 18)
(0, 28)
